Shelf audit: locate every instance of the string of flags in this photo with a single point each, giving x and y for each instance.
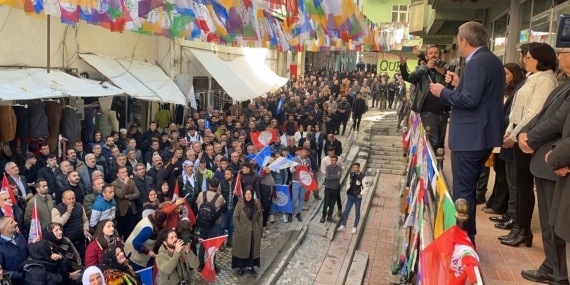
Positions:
(296, 25)
(450, 258)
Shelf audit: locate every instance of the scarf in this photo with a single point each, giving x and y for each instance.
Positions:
(249, 205)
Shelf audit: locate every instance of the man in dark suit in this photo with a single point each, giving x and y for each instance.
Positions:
(477, 103)
(537, 138)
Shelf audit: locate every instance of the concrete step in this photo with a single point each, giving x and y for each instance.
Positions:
(379, 160)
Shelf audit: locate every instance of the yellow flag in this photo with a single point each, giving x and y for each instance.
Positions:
(439, 218)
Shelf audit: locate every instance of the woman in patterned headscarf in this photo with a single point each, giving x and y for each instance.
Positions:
(116, 268)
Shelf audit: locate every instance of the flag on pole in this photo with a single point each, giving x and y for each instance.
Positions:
(35, 225)
(192, 98)
(6, 187)
(237, 189)
(282, 200)
(188, 213)
(263, 138)
(261, 156)
(206, 124)
(306, 178)
(211, 246)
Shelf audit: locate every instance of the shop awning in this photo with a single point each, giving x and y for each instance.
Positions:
(241, 79)
(140, 80)
(36, 83)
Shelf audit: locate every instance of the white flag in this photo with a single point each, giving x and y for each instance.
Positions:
(192, 98)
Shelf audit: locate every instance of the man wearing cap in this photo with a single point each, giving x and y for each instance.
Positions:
(132, 144)
(190, 185)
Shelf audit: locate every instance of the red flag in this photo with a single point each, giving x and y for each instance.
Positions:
(8, 211)
(176, 192)
(188, 213)
(449, 259)
(6, 187)
(306, 178)
(238, 189)
(35, 226)
(264, 138)
(211, 246)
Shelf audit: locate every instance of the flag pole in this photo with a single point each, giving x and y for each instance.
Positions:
(48, 44)
(478, 275)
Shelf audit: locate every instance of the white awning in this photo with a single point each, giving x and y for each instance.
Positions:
(241, 79)
(36, 83)
(138, 79)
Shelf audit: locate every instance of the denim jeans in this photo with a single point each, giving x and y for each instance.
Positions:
(351, 200)
(206, 234)
(298, 194)
(227, 224)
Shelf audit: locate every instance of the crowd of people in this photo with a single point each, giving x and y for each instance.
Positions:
(109, 208)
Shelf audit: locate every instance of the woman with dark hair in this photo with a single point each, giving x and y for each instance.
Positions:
(540, 63)
(498, 202)
(163, 193)
(104, 237)
(247, 238)
(151, 203)
(61, 245)
(43, 266)
(116, 268)
(140, 243)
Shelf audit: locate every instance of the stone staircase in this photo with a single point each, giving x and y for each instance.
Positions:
(386, 153)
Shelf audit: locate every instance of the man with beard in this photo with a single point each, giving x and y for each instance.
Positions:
(73, 184)
(106, 152)
(432, 112)
(174, 257)
(73, 160)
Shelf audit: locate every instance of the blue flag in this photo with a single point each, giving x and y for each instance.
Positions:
(262, 156)
(146, 275)
(281, 200)
(206, 123)
(279, 105)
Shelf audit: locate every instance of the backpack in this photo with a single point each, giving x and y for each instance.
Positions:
(207, 214)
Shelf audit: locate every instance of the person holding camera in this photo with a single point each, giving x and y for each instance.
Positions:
(432, 112)
(174, 259)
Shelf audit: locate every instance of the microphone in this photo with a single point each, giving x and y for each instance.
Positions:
(452, 66)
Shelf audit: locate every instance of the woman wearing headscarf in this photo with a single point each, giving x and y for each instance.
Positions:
(103, 238)
(61, 245)
(247, 237)
(116, 268)
(44, 266)
(93, 276)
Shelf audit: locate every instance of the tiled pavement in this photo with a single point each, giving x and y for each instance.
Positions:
(378, 237)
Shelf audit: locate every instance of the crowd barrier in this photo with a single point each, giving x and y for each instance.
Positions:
(437, 250)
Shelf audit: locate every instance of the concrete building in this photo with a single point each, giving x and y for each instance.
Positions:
(509, 23)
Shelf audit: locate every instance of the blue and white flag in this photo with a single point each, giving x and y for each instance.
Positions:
(279, 105)
(282, 200)
(206, 124)
(281, 163)
(261, 155)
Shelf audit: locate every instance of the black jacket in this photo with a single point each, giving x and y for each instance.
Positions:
(421, 79)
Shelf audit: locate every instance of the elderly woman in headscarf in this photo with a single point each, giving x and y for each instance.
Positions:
(44, 266)
(61, 245)
(116, 268)
(247, 238)
(93, 276)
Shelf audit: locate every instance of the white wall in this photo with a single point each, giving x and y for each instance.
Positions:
(24, 42)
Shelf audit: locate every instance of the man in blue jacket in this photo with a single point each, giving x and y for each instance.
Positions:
(13, 250)
(477, 112)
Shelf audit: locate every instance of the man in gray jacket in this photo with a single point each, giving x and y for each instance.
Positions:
(333, 174)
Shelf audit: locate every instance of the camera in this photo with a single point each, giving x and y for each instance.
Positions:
(440, 63)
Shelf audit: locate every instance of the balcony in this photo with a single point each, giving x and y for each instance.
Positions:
(437, 21)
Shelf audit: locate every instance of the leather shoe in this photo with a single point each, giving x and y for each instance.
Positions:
(537, 276)
(563, 282)
(500, 219)
(506, 225)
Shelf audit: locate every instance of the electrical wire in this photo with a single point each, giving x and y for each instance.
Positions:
(6, 20)
(127, 69)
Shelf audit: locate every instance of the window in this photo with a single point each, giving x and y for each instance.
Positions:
(400, 13)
